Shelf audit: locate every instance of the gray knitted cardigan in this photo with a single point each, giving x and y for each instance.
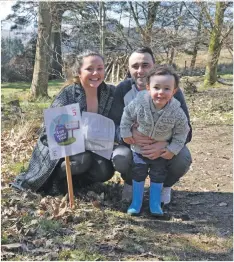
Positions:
(40, 166)
(171, 125)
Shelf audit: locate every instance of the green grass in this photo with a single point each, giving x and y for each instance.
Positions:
(199, 81)
(4, 238)
(50, 225)
(26, 85)
(21, 90)
(80, 255)
(68, 142)
(17, 167)
(16, 85)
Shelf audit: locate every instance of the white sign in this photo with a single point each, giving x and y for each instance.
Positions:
(99, 133)
(64, 131)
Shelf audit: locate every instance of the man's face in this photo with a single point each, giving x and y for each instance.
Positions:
(139, 66)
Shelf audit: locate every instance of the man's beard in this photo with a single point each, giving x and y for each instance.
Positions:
(141, 83)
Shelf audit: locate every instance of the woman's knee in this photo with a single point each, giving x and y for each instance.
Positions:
(102, 169)
(122, 159)
(80, 163)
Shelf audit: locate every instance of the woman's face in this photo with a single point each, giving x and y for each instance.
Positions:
(92, 72)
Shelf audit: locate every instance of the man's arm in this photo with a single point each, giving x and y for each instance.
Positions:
(180, 97)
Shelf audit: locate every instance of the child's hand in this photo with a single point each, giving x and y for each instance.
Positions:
(166, 154)
(129, 140)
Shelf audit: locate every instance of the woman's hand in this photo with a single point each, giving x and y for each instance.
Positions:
(129, 140)
(153, 151)
(166, 154)
(139, 138)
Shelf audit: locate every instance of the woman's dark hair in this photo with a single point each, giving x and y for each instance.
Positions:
(79, 60)
(163, 70)
(77, 64)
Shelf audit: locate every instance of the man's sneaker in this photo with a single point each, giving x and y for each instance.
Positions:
(127, 192)
(166, 195)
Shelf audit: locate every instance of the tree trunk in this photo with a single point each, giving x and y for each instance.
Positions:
(102, 17)
(56, 64)
(39, 86)
(172, 56)
(215, 45)
(197, 42)
(151, 16)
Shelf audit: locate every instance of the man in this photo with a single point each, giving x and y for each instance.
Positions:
(140, 63)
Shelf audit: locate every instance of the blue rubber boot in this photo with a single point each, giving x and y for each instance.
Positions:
(155, 199)
(137, 198)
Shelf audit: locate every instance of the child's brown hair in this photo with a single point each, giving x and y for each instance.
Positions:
(159, 70)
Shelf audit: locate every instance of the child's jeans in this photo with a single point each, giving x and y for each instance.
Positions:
(142, 167)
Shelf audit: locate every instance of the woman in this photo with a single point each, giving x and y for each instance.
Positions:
(93, 95)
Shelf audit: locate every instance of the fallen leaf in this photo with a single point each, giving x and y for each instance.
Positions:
(96, 204)
(64, 201)
(195, 203)
(223, 204)
(13, 246)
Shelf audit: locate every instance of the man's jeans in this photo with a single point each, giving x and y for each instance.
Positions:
(176, 167)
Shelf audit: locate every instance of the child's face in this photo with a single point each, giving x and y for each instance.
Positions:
(161, 89)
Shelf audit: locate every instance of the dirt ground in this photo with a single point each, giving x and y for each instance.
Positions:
(197, 226)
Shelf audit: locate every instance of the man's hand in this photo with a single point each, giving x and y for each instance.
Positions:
(129, 140)
(153, 151)
(166, 154)
(140, 139)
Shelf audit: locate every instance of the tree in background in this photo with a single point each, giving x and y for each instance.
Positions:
(56, 42)
(39, 84)
(217, 38)
(117, 28)
(10, 47)
(144, 11)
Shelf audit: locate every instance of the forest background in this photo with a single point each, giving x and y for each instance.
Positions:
(36, 54)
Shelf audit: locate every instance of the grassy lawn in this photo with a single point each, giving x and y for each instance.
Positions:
(21, 90)
(32, 110)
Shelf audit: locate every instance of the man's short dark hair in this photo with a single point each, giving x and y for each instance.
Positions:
(144, 49)
(163, 70)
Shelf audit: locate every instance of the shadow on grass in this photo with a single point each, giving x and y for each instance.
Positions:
(198, 226)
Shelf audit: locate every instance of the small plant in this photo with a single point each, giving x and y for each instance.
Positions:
(49, 225)
(4, 239)
(80, 255)
(17, 167)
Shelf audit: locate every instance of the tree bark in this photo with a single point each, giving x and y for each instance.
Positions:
(172, 56)
(197, 42)
(152, 10)
(215, 45)
(102, 17)
(56, 64)
(39, 86)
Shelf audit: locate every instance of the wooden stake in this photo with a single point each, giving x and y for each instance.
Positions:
(69, 182)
